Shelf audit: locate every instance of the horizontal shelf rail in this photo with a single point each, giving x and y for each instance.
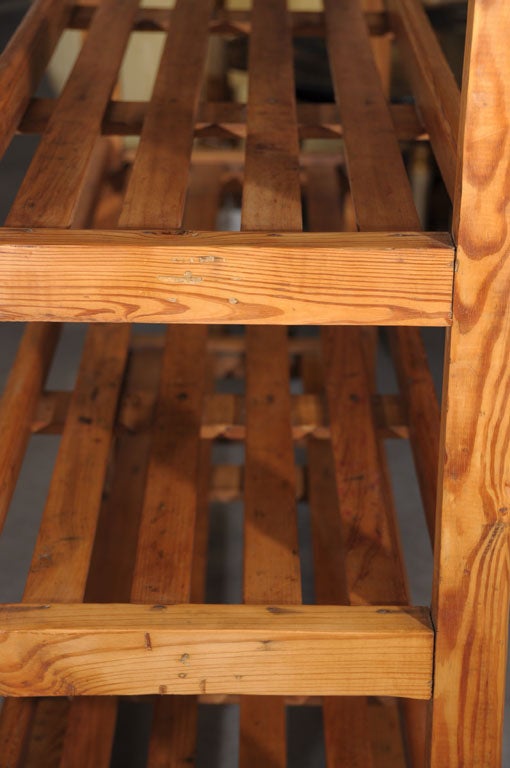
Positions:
(229, 22)
(85, 649)
(202, 277)
(223, 119)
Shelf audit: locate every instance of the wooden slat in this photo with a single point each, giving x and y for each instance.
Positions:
(389, 278)
(94, 649)
(49, 191)
(346, 724)
(47, 733)
(434, 87)
(126, 118)
(89, 736)
(168, 514)
(370, 139)
(386, 734)
(271, 198)
(472, 564)
(174, 729)
(382, 196)
(153, 196)
(24, 60)
(18, 403)
(345, 718)
(17, 716)
(62, 553)
(422, 413)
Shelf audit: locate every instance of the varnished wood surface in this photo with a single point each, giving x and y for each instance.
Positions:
(472, 576)
(289, 278)
(356, 284)
(94, 649)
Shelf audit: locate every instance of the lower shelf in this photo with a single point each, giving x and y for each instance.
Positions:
(162, 434)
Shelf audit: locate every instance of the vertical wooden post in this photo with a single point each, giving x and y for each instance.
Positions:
(471, 582)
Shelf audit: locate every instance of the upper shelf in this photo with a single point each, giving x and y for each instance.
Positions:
(382, 278)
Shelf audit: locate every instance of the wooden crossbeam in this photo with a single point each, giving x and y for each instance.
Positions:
(120, 649)
(227, 22)
(126, 118)
(389, 278)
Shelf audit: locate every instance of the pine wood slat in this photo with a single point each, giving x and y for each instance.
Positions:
(24, 60)
(421, 412)
(47, 734)
(94, 649)
(167, 135)
(434, 87)
(163, 564)
(155, 197)
(18, 403)
(371, 143)
(382, 196)
(62, 553)
(389, 278)
(271, 198)
(471, 584)
(48, 192)
(348, 733)
(345, 719)
(126, 118)
(174, 727)
(90, 732)
(16, 718)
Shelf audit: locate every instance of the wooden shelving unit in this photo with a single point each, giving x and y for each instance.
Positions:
(114, 603)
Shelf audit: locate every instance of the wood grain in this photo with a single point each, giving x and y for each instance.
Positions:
(255, 278)
(94, 649)
(472, 576)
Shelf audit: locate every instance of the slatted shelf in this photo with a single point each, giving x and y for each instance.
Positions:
(259, 385)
